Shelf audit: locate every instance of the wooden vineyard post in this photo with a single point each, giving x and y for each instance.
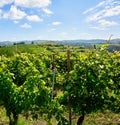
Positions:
(53, 81)
(69, 97)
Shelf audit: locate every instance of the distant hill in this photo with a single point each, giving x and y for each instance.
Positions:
(63, 42)
(81, 42)
(115, 41)
(5, 43)
(93, 41)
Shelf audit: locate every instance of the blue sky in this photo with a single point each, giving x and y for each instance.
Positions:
(59, 19)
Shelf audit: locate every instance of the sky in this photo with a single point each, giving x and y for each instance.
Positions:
(59, 19)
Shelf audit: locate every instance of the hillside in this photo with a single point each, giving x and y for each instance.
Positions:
(78, 42)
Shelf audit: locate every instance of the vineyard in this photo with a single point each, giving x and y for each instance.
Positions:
(58, 84)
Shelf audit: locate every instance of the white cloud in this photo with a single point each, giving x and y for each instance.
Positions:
(101, 15)
(103, 3)
(89, 10)
(93, 8)
(32, 3)
(0, 12)
(26, 26)
(27, 3)
(5, 2)
(14, 13)
(34, 18)
(47, 11)
(56, 23)
(17, 11)
(104, 9)
(16, 22)
(108, 12)
(112, 11)
(96, 16)
(106, 23)
(97, 27)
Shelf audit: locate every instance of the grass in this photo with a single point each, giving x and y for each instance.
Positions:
(36, 49)
(106, 118)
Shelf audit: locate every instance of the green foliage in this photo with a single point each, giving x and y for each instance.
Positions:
(22, 87)
(92, 84)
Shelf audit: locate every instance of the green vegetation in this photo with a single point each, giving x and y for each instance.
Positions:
(85, 84)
